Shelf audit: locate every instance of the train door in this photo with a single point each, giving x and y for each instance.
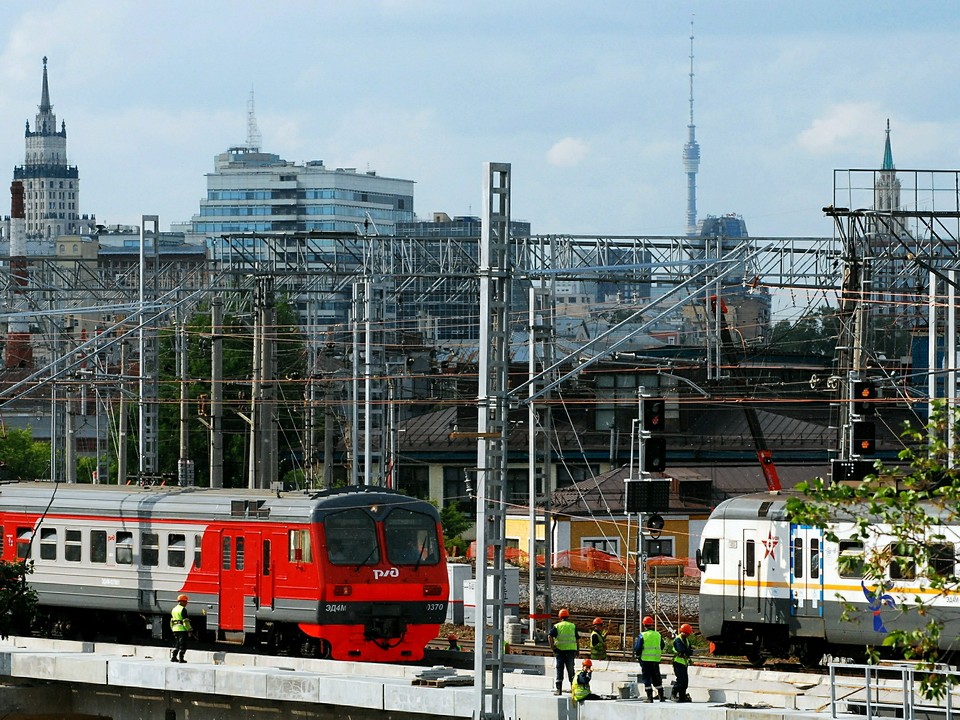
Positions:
(749, 599)
(760, 562)
(265, 575)
(806, 571)
(239, 560)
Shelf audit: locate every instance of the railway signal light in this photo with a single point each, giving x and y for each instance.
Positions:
(864, 435)
(851, 470)
(654, 415)
(864, 392)
(654, 454)
(647, 496)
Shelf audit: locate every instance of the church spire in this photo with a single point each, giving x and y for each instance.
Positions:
(45, 105)
(887, 152)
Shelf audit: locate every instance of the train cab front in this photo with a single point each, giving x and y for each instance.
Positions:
(385, 588)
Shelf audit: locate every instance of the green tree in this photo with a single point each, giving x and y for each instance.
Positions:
(18, 601)
(815, 333)
(237, 372)
(915, 503)
(454, 521)
(23, 458)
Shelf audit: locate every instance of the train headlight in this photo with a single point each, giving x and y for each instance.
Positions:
(432, 590)
(342, 590)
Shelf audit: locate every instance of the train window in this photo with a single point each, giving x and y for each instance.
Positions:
(176, 550)
(98, 546)
(72, 546)
(902, 563)
(24, 537)
(352, 538)
(149, 549)
(750, 558)
(197, 542)
(300, 549)
(124, 547)
(411, 538)
(943, 560)
(240, 553)
(225, 552)
(814, 558)
(710, 554)
(850, 564)
(798, 557)
(266, 557)
(48, 543)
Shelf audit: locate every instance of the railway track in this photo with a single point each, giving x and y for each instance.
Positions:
(665, 584)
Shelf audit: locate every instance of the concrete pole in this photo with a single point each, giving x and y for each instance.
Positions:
(122, 435)
(185, 466)
(216, 392)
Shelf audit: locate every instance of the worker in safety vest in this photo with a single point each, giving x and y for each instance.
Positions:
(580, 690)
(180, 624)
(648, 650)
(598, 641)
(682, 652)
(563, 642)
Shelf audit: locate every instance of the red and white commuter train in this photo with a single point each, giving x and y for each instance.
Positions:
(356, 573)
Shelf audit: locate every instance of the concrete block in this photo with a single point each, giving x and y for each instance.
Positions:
(89, 669)
(115, 649)
(539, 706)
(190, 678)
(294, 686)
(399, 697)
(30, 664)
(355, 692)
(137, 673)
(241, 682)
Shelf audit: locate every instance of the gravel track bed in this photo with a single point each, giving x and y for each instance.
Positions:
(608, 602)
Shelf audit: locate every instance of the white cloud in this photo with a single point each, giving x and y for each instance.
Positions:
(841, 126)
(568, 152)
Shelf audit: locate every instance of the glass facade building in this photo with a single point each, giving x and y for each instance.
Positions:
(256, 192)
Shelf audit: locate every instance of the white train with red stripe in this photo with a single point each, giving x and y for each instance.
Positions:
(773, 588)
(356, 573)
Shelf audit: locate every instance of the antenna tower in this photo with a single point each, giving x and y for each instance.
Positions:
(253, 132)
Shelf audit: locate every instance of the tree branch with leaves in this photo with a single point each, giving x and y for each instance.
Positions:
(906, 518)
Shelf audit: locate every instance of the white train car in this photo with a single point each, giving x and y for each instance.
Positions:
(772, 588)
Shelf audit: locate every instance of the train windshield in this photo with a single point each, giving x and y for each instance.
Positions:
(352, 538)
(411, 538)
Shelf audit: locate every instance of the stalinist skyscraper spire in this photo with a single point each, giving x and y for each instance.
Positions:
(52, 188)
(691, 156)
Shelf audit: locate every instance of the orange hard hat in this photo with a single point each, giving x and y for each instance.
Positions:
(598, 621)
(563, 613)
(685, 629)
(588, 663)
(182, 598)
(451, 636)
(647, 621)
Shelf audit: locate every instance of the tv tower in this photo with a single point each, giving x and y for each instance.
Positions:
(691, 156)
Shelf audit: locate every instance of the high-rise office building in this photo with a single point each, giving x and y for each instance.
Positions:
(256, 192)
(51, 186)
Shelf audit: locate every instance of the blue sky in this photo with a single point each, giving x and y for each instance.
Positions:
(587, 100)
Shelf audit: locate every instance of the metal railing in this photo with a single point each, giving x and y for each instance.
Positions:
(891, 690)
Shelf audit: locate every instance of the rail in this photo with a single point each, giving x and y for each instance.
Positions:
(891, 690)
